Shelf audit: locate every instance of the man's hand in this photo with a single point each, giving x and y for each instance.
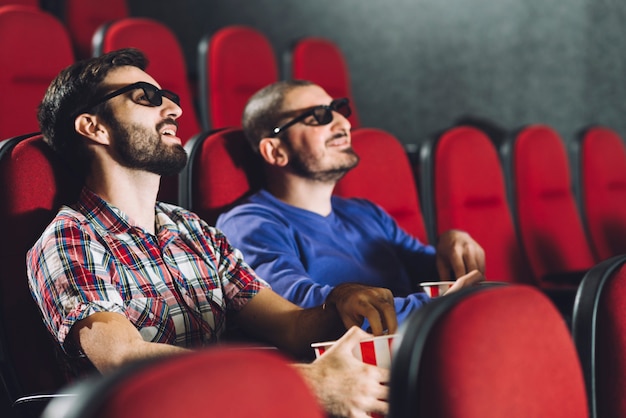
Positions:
(459, 254)
(354, 302)
(469, 279)
(343, 384)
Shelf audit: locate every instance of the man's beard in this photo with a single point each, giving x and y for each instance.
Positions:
(305, 167)
(142, 149)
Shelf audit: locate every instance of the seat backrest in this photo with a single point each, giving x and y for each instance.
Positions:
(166, 65)
(33, 185)
(233, 64)
(385, 177)
(549, 224)
(222, 169)
(601, 189)
(487, 351)
(599, 331)
(33, 3)
(84, 17)
(198, 384)
(321, 61)
(35, 47)
(462, 172)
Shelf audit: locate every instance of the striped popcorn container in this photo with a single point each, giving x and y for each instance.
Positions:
(374, 350)
(436, 289)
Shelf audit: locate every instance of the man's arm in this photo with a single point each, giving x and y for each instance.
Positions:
(110, 340)
(344, 385)
(270, 317)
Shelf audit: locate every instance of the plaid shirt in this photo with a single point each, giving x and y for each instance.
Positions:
(177, 287)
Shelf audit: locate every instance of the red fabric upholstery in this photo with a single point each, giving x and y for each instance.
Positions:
(549, 223)
(33, 185)
(610, 348)
(84, 17)
(35, 47)
(235, 62)
(470, 194)
(216, 382)
(602, 165)
(384, 176)
(167, 66)
(599, 331)
(491, 351)
(34, 3)
(222, 169)
(322, 62)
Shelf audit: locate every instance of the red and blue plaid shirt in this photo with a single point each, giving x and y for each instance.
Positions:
(177, 287)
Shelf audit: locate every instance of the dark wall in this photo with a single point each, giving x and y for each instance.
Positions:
(417, 65)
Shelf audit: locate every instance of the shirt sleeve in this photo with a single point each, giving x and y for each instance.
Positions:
(66, 273)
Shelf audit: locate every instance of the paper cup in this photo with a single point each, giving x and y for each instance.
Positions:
(374, 350)
(435, 289)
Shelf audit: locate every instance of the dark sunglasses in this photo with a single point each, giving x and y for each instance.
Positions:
(323, 114)
(153, 95)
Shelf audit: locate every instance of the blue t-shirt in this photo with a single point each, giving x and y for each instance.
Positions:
(304, 255)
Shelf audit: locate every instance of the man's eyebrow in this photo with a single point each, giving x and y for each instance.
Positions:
(296, 112)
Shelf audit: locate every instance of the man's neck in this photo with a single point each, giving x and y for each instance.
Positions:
(311, 195)
(133, 192)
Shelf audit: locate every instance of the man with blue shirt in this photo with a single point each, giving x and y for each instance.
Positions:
(308, 242)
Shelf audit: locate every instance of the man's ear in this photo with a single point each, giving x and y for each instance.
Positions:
(273, 152)
(89, 126)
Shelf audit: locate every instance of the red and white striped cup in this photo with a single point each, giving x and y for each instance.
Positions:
(373, 350)
(435, 289)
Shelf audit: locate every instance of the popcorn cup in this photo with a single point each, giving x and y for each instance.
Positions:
(374, 350)
(435, 289)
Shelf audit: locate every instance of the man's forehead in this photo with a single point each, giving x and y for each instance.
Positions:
(306, 97)
(123, 76)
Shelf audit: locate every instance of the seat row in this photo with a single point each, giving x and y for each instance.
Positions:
(222, 169)
(234, 63)
(516, 198)
(488, 351)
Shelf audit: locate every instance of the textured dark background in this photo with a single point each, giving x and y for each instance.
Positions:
(417, 65)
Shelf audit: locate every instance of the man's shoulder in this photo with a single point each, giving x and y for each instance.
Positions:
(257, 205)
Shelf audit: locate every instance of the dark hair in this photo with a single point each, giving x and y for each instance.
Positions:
(71, 91)
(265, 109)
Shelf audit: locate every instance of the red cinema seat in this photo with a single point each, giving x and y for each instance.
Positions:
(601, 189)
(487, 351)
(214, 382)
(463, 179)
(222, 169)
(233, 63)
(384, 176)
(84, 17)
(32, 3)
(544, 206)
(35, 48)
(34, 183)
(599, 331)
(321, 61)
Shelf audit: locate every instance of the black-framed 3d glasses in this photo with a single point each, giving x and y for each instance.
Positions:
(154, 95)
(323, 114)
